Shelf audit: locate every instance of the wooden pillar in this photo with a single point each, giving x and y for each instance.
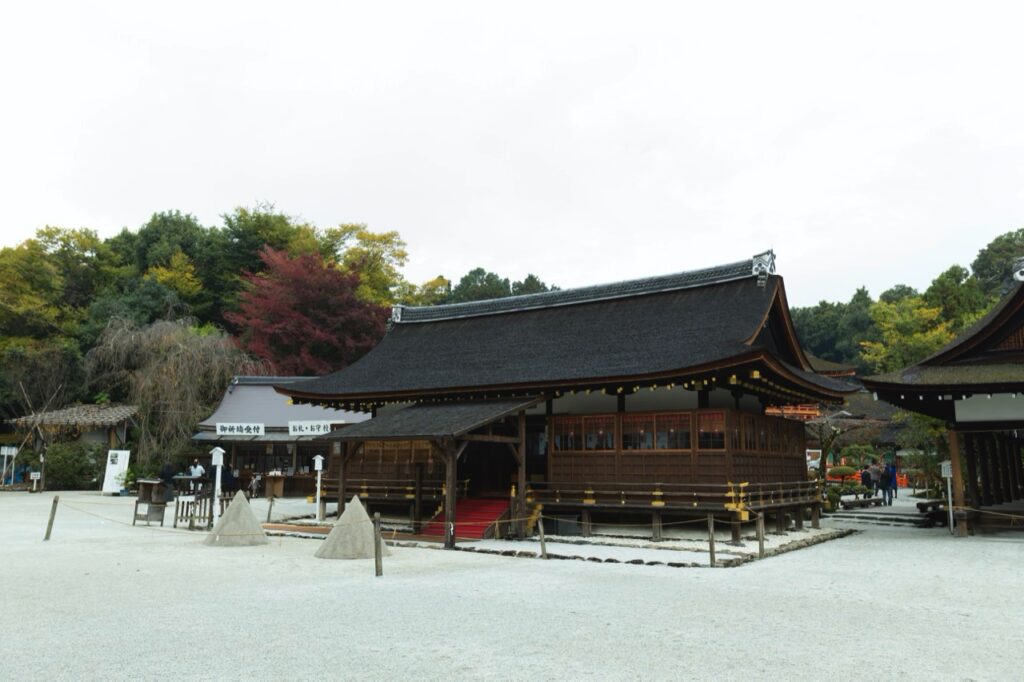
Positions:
(549, 411)
(780, 521)
(816, 515)
(984, 455)
(585, 523)
(971, 452)
(1018, 463)
(451, 483)
(1004, 466)
(958, 481)
(417, 496)
(1011, 470)
(798, 517)
(342, 476)
(521, 477)
(735, 526)
(997, 470)
(656, 525)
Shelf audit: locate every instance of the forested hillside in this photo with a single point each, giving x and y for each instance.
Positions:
(164, 315)
(904, 325)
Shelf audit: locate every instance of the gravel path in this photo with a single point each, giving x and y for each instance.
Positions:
(107, 600)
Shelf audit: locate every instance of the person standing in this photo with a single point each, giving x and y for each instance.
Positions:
(893, 482)
(876, 476)
(196, 471)
(884, 486)
(865, 480)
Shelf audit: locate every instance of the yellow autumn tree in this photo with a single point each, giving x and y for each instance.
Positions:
(179, 274)
(910, 331)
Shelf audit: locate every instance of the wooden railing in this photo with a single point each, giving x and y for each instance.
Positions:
(676, 496)
(396, 490)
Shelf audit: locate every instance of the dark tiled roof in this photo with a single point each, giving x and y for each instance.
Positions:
(600, 340)
(80, 416)
(978, 327)
(828, 367)
(432, 420)
(953, 375)
(600, 292)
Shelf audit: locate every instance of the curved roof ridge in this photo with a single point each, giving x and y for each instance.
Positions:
(761, 264)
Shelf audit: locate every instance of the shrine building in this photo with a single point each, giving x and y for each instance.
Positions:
(643, 397)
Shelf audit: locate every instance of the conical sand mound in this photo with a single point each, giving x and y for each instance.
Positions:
(238, 527)
(352, 535)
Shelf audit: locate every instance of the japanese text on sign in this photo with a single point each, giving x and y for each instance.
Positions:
(239, 429)
(309, 428)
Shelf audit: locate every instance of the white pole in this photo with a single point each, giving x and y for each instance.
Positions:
(319, 511)
(949, 502)
(216, 498)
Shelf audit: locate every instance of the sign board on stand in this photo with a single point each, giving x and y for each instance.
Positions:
(947, 473)
(117, 467)
(318, 464)
(8, 452)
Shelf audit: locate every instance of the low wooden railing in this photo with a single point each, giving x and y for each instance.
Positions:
(394, 489)
(677, 496)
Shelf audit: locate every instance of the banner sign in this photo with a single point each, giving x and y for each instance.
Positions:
(314, 428)
(117, 467)
(239, 429)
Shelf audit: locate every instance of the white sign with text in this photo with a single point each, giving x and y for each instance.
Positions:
(309, 428)
(225, 429)
(117, 467)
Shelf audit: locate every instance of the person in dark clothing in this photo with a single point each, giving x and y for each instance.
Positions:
(865, 479)
(885, 486)
(893, 483)
(167, 476)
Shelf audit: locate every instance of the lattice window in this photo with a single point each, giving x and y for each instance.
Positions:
(673, 431)
(638, 432)
(711, 430)
(568, 433)
(599, 433)
(1015, 341)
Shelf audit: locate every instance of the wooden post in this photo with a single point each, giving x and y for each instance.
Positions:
(543, 542)
(1008, 446)
(711, 539)
(734, 527)
(971, 452)
(53, 513)
(270, 508)
(1004, 462)
(417, 497)
(958, 482)
(780, 521)
(520, 525)
(342, 477)
(378, 564)
(816, 515)
(451, 483)
(760, 536)
(986, 469)
(656, 526)
(798, 518)
(1018, 463)
(585, 522)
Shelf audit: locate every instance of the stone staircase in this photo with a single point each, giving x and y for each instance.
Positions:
(879, 516)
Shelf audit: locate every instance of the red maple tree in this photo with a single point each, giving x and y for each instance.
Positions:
(302, 316)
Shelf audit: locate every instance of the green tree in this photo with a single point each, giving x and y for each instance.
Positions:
(909, 332)
(531, 284)
(479, 284)
(375, 257)
(994, 264)
(958, 296)
(897, 292)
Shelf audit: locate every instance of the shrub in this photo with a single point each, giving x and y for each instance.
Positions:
(841, 471)
(73, 466)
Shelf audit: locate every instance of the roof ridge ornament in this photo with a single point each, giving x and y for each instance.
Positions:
(762, 265)
(396, 315)
(1018, 269)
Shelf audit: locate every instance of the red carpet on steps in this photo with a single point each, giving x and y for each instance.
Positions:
(472, 517)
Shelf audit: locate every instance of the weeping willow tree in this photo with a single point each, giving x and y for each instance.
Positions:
(173, 371)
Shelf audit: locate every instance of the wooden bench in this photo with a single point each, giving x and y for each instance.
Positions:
(862, 502)
(926, 506)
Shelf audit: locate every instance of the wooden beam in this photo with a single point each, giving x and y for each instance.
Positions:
(958, 481)
(971, 452)
(487, 438)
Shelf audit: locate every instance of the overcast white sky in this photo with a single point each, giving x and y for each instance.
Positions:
(868, 144)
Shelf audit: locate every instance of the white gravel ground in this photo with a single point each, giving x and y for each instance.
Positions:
(105, 600)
